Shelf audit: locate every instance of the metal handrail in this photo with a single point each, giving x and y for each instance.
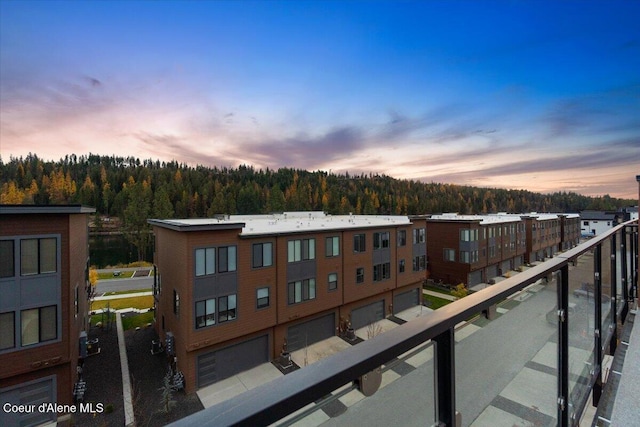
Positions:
(284, 395)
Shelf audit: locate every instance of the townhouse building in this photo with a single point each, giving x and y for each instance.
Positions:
(597, 222)
(43, 306)
(474, 249)
(236, 291)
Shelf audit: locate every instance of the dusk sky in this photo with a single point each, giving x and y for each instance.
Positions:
(535, 95)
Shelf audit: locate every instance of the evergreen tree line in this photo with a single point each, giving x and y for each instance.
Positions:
(174, 190)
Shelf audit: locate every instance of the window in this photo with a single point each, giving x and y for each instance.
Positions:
(6, 258)
(333, 281)
(205, 261)
(176, 302)
(420, 263)
(586, 223)
(381, 271)
(301, 290)
(380, 240)
(262, 298)
(449, 255)
(401, 266)
(469, 235)
(359, 275)
(205, 313)
(39, 325)
(227, 308)
(301, 250)
(262, 255)
(7, 330)
(226, 259)
(468, 256)
(419, 235)
(332, 246)
(359, 243)
(38, 256)
(402, 237)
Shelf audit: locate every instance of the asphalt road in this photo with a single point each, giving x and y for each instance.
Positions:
(131, 284)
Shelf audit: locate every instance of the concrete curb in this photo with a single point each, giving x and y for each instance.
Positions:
(122, 296)
(129, 418)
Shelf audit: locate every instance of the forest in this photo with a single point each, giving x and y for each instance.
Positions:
(176, 190)
(134, 190)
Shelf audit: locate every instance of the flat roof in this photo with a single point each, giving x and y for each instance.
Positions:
(498, 217)
(45, 209)
(283, 223)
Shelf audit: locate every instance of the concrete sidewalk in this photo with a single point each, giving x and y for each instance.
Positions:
(121, 296)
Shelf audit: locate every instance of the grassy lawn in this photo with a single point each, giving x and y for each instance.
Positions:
(435, 302)
(141, 320)
(119, 303)
(437, 289)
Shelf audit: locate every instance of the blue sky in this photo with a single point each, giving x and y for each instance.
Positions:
(540, 95)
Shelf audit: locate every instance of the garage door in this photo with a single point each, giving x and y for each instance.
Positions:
(368, 314)
(492, 271)
(31, 393)
(304, 334)
(475, 277)
(229, 361)
(406, 300)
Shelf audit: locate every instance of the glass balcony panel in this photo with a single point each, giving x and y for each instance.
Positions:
(607, 292)
(619, 273)
(411, 374)
(506, 367)
(581, 330)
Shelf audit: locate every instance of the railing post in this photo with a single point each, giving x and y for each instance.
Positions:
(597, 335)
(446, 374)
(634, 257)
(613, 342)
(563, 348)
(623, 275)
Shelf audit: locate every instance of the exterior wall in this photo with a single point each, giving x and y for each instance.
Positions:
(446, 235)
(58, 358)
(175, 261)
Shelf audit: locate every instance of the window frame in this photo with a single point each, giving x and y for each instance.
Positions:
(332, 246)
(381, 240)
(209, 316)
(38, 258)
(261, 249)
(259, 298)
(359, 274)
(359, 243)
(7, 258)
(43, 325)
(332, 284)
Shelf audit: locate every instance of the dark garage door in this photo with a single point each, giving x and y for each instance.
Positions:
(405, 300)
(475, 277)
(229, 361)
(368, 314)
(307, 333)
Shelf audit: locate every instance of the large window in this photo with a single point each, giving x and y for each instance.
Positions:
(262, 255)
(469, 235)
(332, 246)
(39, 325)
(206, 313)
(381, 271)
(419, 235)
(38, 256)
(420, 263)
(262, 298)
(402, 237)
(301, 250)
(7, 330)
(205, 261)
(449, 254)
(226, 259)
(469, 257)
(6, 258)
(380, 240)
(301, 290)
(359, 243)
(226, 308)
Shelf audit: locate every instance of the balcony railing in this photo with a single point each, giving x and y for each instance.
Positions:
(530, 347)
